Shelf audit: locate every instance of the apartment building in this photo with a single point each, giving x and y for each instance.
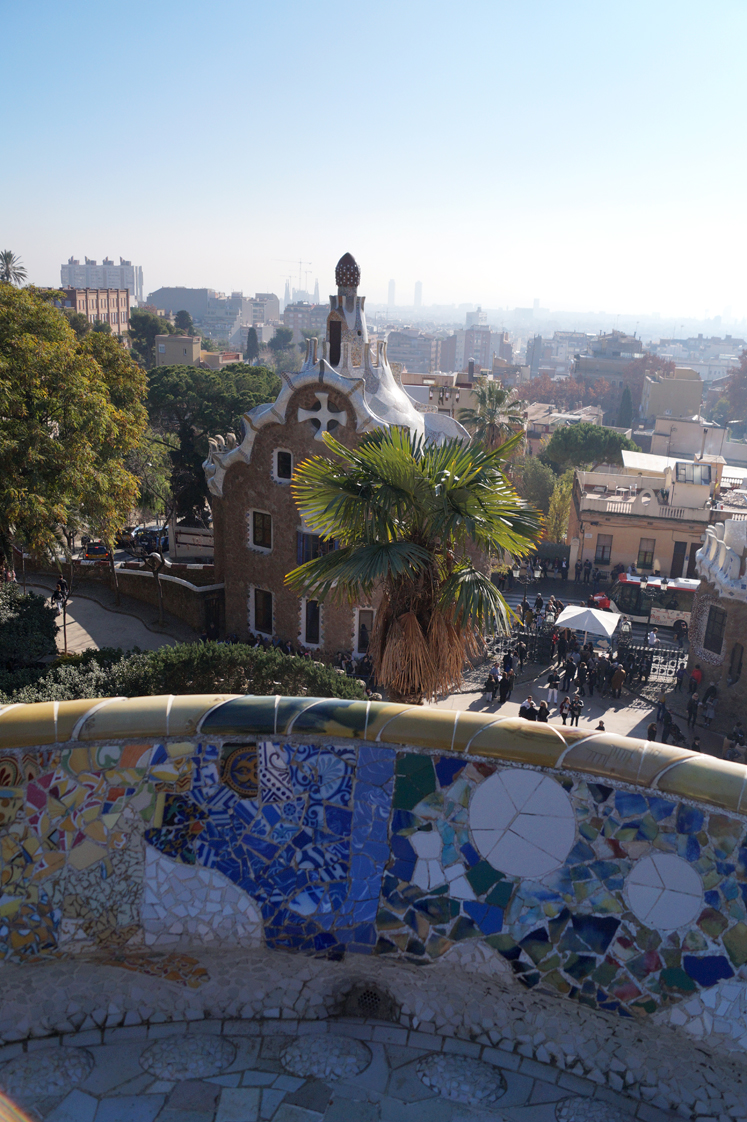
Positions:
(105, 305)
(106, 275)
(671, 394)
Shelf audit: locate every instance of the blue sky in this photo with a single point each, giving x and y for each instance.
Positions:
(589, 154)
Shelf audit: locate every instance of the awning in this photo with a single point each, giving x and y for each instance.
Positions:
(588, 619)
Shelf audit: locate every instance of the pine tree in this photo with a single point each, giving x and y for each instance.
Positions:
(251, 352)
(625, 411)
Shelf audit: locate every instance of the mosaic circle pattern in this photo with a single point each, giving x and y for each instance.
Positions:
(522, 822)
(462, 1079)
(589, 1110)
(188, 1057)
(326, 1057)
(49, 1072)
(664, 891)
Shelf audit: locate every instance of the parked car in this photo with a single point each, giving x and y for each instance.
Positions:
(124, 537)
(97, 551)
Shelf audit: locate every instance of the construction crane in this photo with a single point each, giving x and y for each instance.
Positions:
(301, 264)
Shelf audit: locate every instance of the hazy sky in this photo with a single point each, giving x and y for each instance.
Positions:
(589, 154)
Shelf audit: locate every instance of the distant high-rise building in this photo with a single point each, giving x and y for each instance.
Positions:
(390, 298)
(418, 293)
(534, 355)
(476, 318)
(316, 291)
(287, 296)
(106, 275)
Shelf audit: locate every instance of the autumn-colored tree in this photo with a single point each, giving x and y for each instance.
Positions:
(560, 508)
(70, 412)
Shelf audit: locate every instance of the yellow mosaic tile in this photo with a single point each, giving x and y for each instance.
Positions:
(181, 748)
(381, 713)
(30, 725)
(127, 717)
(619, 757)
(518, 741)
(708, 780)
(429, 728)
(68, 715)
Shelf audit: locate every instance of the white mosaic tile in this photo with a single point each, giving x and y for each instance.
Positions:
(49, 1074)
(664, 891)
(186, 905)
(462, 1079)
(190, 1057)
(326, 1058)
(589, 1110)
(522, 822)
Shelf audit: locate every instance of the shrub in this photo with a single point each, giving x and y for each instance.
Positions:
(27, 628)
(182, 669)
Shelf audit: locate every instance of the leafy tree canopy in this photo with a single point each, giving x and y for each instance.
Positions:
(79, 322)
(70, 412)
(535, 482)
(560, 508)
(183, 323)
(574, 445)
(102, 327)
(191, 404)
(282, 340)
(144, 327)
(251, 352)
(27, 628)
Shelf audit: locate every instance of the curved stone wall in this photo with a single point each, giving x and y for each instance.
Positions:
(609, 871)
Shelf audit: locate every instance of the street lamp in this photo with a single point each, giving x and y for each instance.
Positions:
(531, 573)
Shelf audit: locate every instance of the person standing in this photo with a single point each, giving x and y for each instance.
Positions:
(679, 678)
(587, 570)
(661, 704)
(695, 678)
(576, 707)
(564, 569)
(511, 679)
(710, 712)
(504, 686)
(581, 675)
(565, 708)
(579, 570)
(652, 732)
(553, 681)
(692, 710)
(527, 710)
(569, 673)
(653, 637)
(521, 651)
(543, 713)
(618, 681)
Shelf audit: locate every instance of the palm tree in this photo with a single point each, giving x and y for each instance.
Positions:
(408, 518)
(11, 268)
(498, 413)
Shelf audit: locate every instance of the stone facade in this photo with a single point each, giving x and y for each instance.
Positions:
(346, 387)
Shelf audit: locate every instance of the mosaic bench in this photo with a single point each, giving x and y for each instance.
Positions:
(609, 871)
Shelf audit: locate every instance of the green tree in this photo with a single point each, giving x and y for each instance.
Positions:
(183, 323)
(144, 327)
(575, 445)
(251, 351)
(409, 518)
(102, 327)
(27, 628)
(282, 340)
(79, 323)
(560, 508)
(535, 482)
(625, 411)
(496, 415)
(11, 268)
(721, 412)
(186, 405)
(70, 412)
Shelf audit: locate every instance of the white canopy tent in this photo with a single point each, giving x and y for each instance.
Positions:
(588, 620)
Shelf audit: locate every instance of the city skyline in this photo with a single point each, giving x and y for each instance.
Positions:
(583, 143)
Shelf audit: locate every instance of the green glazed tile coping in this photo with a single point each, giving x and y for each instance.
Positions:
(665, 768)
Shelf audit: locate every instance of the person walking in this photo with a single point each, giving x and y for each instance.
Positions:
(692, 710)
(652, 732)
(576, 707)
(591, 676)
(521, 651)
(679, 678)
(565, 708)
(569, 673)
(553, 681)
(581, 675)
(538, 603)
(661, 704)
(562, 646)
(508, 661)
(511, 680)
(695, 679)
(653, 637)
(710, 712)
(543, 713)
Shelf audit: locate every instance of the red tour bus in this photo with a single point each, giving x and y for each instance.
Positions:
(655, 600)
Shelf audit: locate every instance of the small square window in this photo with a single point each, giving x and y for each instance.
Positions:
(263, 611)
(162, 348)
(283, 465)
(262, 529)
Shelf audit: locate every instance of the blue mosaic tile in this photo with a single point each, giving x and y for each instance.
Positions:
(689, 819)
(628, 804)
(709, 970)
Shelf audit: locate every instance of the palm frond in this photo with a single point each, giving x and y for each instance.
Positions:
(474, 600)
(356, 569)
